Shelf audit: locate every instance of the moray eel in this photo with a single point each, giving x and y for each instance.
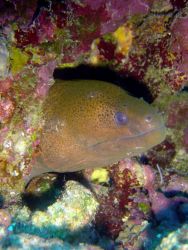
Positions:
(92, 123)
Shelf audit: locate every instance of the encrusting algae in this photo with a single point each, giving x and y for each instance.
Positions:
(92, 123)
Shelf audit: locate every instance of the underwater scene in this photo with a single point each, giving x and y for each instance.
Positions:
(94, 124)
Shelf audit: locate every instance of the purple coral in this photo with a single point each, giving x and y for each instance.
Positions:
(114, 13)
(45, 78)
(164, 208)
(119, 11)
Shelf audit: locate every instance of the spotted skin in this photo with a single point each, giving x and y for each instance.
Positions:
(92, 123)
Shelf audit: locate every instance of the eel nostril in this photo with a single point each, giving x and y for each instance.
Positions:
(148, 118)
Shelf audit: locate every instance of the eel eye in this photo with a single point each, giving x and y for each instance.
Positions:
(121, 118)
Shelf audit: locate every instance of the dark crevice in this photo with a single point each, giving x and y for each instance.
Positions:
(47, 198)
(130, 84)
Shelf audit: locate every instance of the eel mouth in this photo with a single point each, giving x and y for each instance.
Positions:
(119, 145)
(161, 130)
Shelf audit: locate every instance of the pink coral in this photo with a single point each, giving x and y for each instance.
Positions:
(177, 183)
(119, 11)
(114, 13)
(159, 203)
(164, 208)
(45, 77)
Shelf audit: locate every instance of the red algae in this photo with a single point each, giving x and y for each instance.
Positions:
(46, 27)
(5, 85)
(178, 114)
(148, 56)
(6, 109)
(120, 202)
(24, 38)
(179, 45)
(162, 154)
(60, 10)
(178, 3)
(42, 30)
(106, 49)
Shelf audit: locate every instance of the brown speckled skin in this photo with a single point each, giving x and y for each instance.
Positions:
(80, 130)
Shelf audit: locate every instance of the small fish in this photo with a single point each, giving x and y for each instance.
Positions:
(91, 123)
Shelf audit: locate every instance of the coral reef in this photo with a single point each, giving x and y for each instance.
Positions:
(138, 203)
(144, 53)
(67, 211)
(172, 153)
(25, 241)
(175, 240)
(73, 210)
(180, 45)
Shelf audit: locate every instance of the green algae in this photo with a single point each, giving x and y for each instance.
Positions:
(144, 207)
(18, 59)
